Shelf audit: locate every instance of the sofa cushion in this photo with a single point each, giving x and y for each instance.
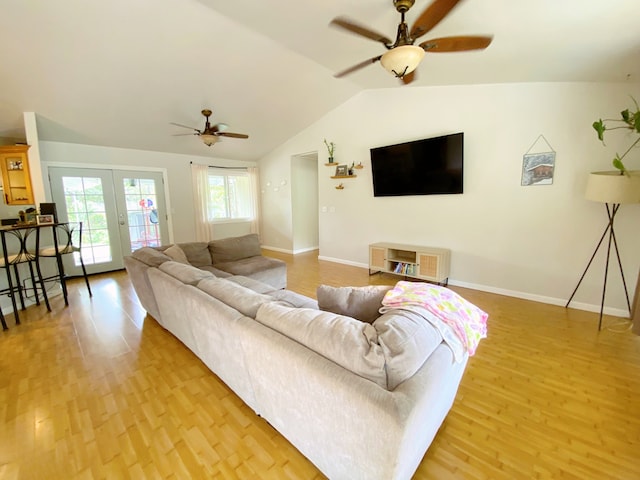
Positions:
(294, 299)
(407, 340)
(150, 256)
(216, 271)
(243, 299)
(362, 303)
(234, 248)
(185, 273)
(264, 269)
(197, 253)
(177, 254)
(344, 340)
(251, 283)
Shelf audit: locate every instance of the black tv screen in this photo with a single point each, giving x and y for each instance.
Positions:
(432, 166)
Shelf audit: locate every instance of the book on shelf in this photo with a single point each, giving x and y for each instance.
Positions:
(405, 268)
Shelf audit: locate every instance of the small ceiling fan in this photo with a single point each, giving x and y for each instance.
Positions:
(403, 56)
(210, 134)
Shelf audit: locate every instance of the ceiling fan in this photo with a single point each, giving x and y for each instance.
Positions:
(403, 56)
(211, 133)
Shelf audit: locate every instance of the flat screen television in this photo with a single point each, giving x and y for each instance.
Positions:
(432, 166)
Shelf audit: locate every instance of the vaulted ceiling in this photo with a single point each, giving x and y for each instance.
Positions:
(117, 72)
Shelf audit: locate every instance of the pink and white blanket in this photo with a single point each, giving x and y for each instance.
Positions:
(453, 314)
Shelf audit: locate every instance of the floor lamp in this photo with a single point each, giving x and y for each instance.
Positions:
(613, 189)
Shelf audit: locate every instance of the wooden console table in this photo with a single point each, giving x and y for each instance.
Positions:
(426, 263)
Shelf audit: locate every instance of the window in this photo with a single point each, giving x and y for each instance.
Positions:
(229, 195)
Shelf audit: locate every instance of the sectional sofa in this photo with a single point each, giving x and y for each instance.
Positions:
(360, 394)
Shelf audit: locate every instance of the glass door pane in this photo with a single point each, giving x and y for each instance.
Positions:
(84, 201)
(141, 203)
(142, 212)
(87, 196)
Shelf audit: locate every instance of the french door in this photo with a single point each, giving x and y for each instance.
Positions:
(121, 211)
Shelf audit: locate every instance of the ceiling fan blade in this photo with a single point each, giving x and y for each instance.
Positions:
(184, 126)
(353, 27)
(456, 44)
(233, 135)
(184, 134)
(409, 77)
(358, 66)
(432, 16)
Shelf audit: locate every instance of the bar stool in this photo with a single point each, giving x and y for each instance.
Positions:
(64, 235)
(21, 245)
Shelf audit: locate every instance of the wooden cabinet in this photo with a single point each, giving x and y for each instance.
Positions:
(16, 177)
(426, 263)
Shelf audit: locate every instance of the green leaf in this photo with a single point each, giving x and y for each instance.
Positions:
(617, 163)
(600, 128)
(625, 115)
(636, 123)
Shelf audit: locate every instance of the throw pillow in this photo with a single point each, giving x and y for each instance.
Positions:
(177, 254)
(361, 303)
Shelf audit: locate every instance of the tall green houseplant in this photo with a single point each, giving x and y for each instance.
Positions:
(629, 120)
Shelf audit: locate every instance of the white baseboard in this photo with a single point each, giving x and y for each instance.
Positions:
(304, 250)
(617, 312)
(344, 262)
(291, 252)
(276, 249)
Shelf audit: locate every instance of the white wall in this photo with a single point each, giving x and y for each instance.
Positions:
(532, 242)
(178, 174)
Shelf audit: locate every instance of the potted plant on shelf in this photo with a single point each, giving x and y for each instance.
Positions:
(330, 149)
(620, 185)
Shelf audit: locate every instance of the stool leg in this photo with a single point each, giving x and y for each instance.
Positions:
(4, 323)
(12, 294)
(18, 286)
(33, 282)
(44, 290)
(86, 279)
(63, 282)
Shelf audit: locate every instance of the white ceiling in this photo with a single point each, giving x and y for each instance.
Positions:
(117, 72)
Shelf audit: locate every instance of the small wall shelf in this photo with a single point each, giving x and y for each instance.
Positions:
(344, 176)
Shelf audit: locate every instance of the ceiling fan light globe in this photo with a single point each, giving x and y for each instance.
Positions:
(208, 140)
(402, 60)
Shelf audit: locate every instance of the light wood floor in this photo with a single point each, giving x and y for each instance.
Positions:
(100, 390)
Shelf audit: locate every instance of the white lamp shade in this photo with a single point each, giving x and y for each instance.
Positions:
(208, 139)
(402, 60)
(612, 187)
